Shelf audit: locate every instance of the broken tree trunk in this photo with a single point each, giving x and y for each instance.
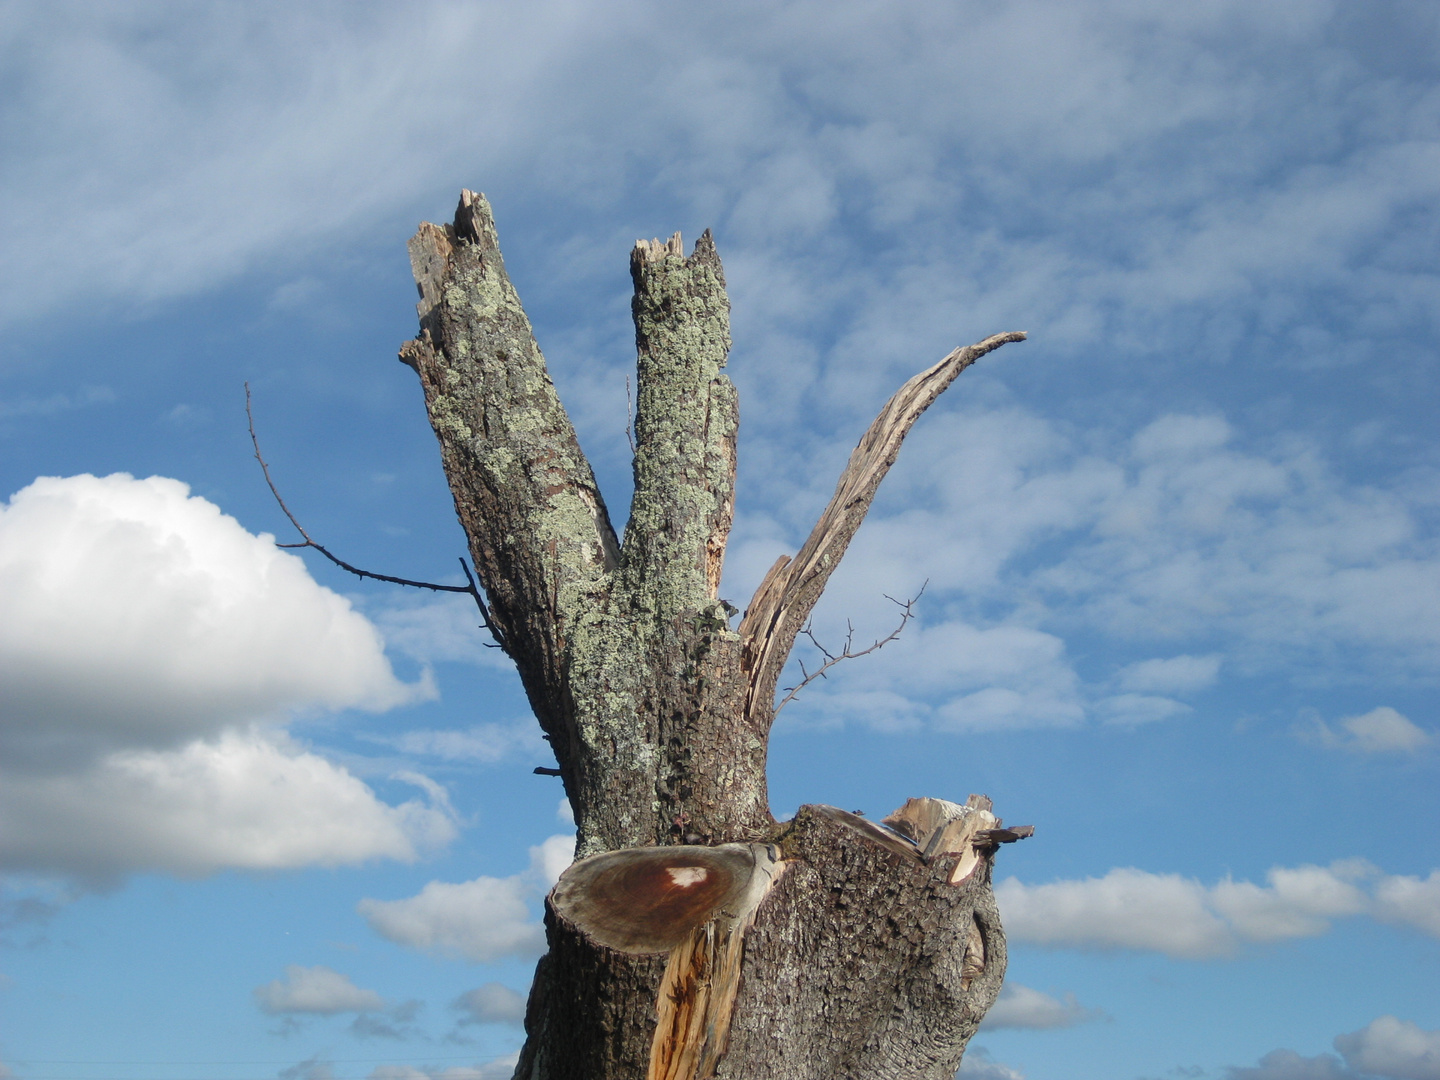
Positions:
(697, 936)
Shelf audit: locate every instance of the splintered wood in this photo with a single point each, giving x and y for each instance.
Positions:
(940, 828)
(655, 250)
(702, 977)
(696, 999)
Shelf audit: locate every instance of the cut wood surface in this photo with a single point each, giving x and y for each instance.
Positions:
(650, 900)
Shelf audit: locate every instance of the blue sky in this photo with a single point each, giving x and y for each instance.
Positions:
(258, 819)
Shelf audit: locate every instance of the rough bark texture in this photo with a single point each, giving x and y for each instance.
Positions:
(861, 959)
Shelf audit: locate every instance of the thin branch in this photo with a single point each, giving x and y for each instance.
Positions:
(845, 653)
(785, 598)
(470, 588)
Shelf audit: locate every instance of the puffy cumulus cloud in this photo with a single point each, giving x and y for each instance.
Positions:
(1387, 1048)
(1126, 908)
(481, 920)
(1391, 1047)
(549, 859)
(1183, 918)
(149, 649)
(979, 1065)
(1297, 902)
(492, 1003)
(316, 990)
(1023, 1007)
(241, 800)
(137, 615)
(1382, 730)
(1410, 901)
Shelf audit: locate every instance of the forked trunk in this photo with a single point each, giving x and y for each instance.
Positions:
(697, 936)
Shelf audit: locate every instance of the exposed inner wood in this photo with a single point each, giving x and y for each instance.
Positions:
(702, 977)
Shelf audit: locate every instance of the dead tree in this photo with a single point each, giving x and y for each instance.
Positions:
(697, 936)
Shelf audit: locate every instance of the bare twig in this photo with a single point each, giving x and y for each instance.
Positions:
(831, 659)
(471, 588)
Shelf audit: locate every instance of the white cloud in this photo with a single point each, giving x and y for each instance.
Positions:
(1382, 730)
(979, 1065)
(136, 615)
(241, 800)
(1288, 1065)
(149, 649)
(319, 990)
(1023, 1007)
(1175, 675)
(1175, 536)
(1127, 909)
(1391, 1047)
(436, 628)
(481, 920)
(1298, 902)
(1195, 158)
(1410, 901)
(953, 675)
(481, 743)
(1387, 1048)
(1130, 710)
(551, 858)
(1181, 917)
(492, 1003)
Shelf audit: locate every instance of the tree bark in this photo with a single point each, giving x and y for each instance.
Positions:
(863, 951)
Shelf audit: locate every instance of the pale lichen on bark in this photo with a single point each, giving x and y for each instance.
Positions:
(686, 421)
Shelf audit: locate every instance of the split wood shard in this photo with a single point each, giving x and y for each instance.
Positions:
(694, 903)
